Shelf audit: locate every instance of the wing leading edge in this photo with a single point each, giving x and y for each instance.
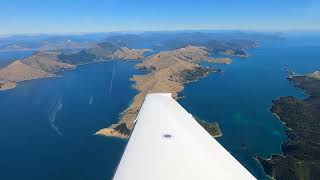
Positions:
(168, 144)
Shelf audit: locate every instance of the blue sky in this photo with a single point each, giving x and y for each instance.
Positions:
(65, 16)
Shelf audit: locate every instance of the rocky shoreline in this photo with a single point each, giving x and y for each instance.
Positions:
(169, 72)
(211, 127)
(6, 85)
(301, 151)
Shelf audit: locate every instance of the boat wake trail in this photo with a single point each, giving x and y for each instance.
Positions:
(52, 117)
(112, 77)
(90, 100)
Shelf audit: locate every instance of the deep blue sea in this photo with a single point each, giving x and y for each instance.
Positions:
(47, 125)
(6, 57)
(240, 97)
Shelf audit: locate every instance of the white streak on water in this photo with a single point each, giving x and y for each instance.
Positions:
(112, 77)
(91, 100)
(52, 116)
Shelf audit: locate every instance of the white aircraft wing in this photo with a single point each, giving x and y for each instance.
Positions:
(167, 143)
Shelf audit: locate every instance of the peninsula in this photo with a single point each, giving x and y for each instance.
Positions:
(45, 64)
(169, 71)
(19, 71)
(211, 127)
(301, 151)
(236, 53)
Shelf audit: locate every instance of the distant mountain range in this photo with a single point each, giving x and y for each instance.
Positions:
(56, 53)
(48, 42)
(101, 51)
(152, 40)
(43, 64)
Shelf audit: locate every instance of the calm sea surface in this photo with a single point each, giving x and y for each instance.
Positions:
(47, 125)
(240, 97)
(6, 57)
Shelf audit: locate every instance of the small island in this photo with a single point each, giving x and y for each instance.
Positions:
(301, 151)
(236, 53)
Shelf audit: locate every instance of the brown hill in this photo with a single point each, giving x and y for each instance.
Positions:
(19, 71)
(170, 70)
(39, 65)
(126, 53)
(47, 61)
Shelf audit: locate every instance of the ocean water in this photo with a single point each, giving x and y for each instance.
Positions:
(6, 57)
(47, 125)
(240, 97)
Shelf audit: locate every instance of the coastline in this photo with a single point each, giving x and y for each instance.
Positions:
(56, 73)
(299, 116)
(7, 85)
(169, 72)
(211, 127)
(32, 73)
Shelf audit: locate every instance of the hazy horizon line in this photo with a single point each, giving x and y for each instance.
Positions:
(168, 30)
